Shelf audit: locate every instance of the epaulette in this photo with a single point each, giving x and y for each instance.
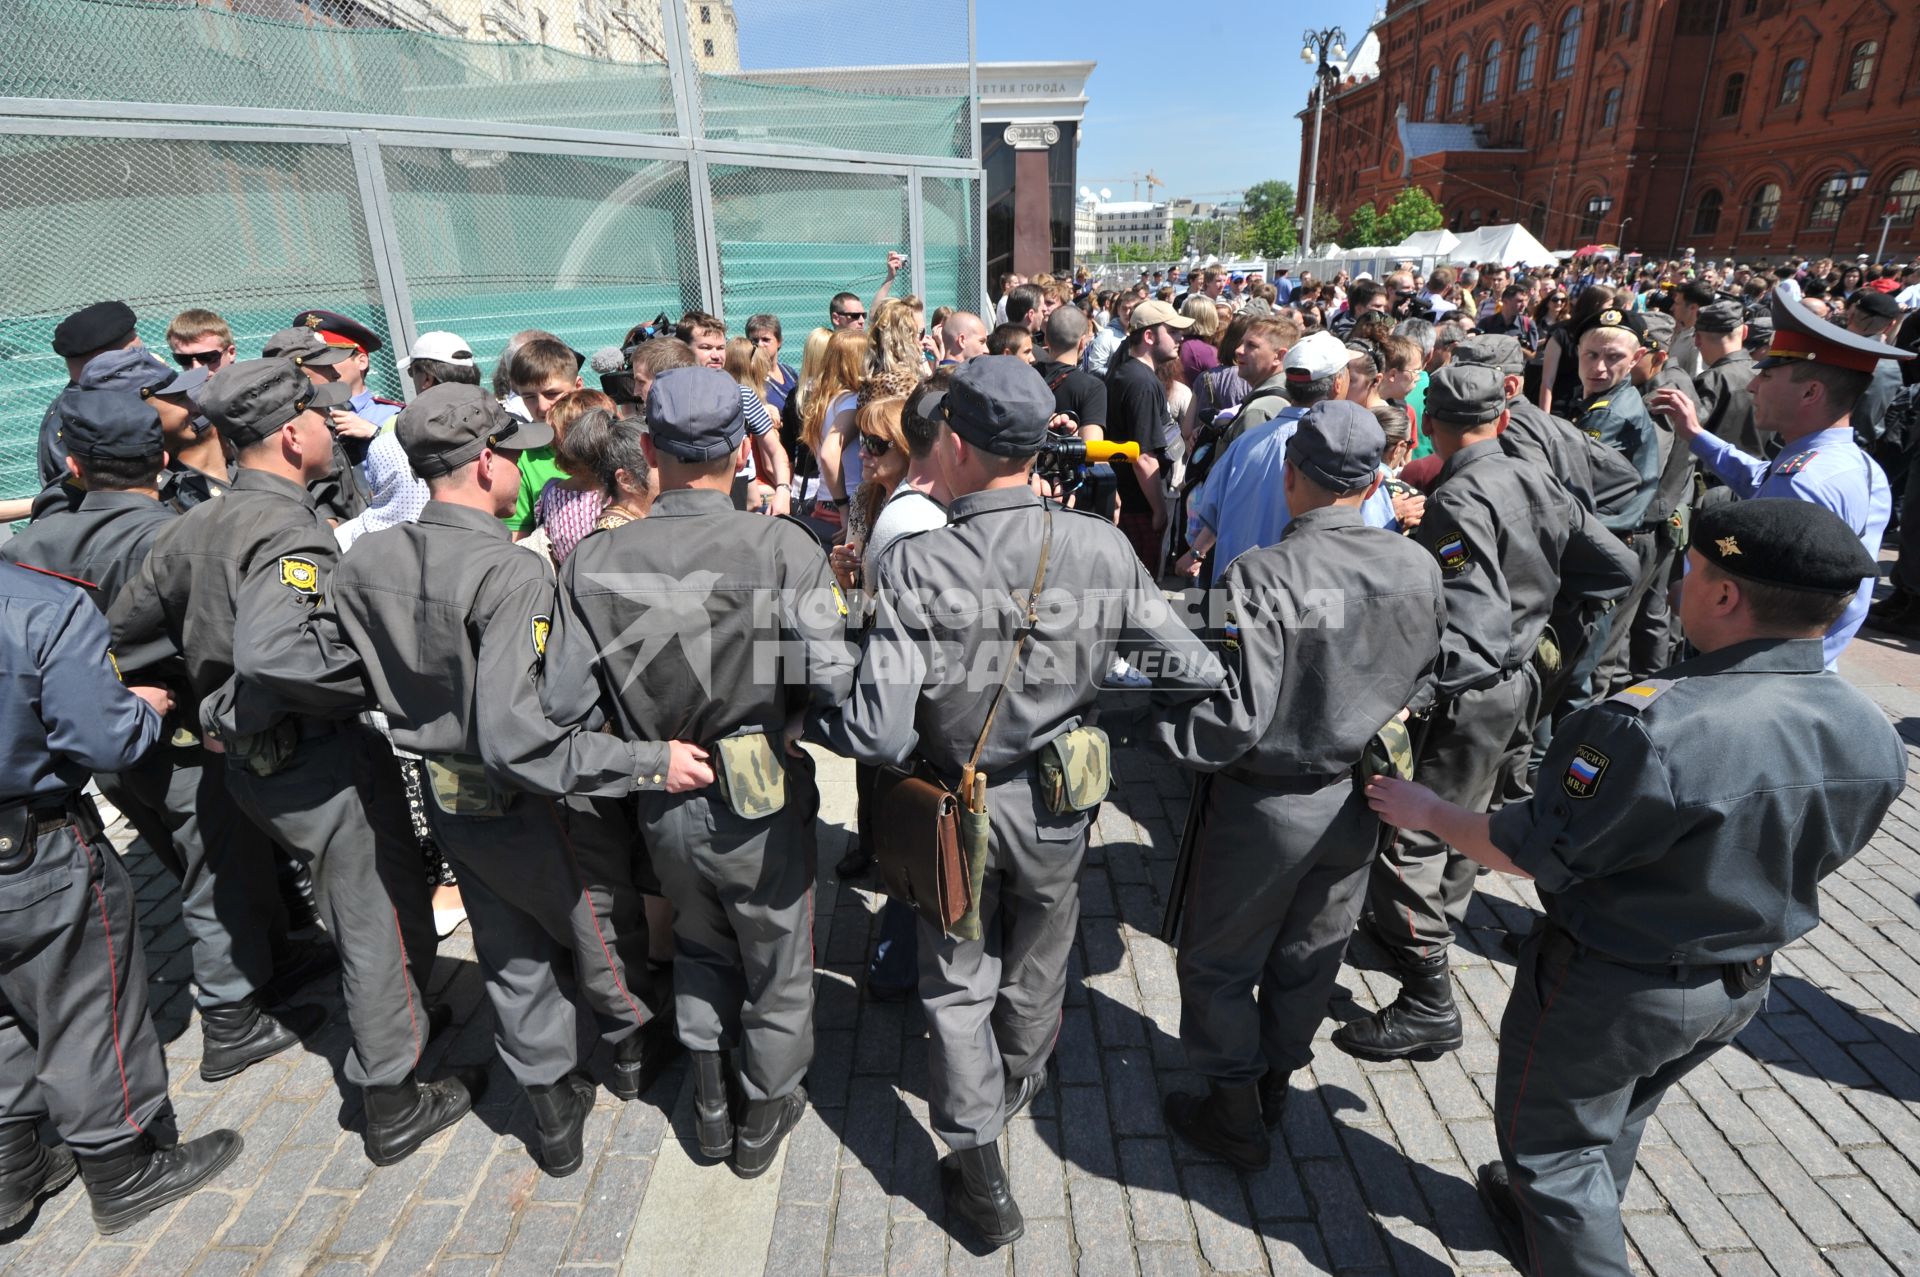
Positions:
(1598, 403)
(1799, 463)
(391, 403)
(1642, 694)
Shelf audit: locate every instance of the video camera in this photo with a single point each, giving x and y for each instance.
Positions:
(1066, 459)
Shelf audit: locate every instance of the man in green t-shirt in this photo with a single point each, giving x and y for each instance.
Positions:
(541, 371)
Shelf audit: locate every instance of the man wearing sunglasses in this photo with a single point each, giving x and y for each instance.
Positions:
(847, 311)
(201, 339)
(228, 590)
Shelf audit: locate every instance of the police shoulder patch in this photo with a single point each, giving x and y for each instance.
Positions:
(300, 574)
(1642, 694)
(1797, 464)
(1230, 633)
(1453, 553)
(1584, 771)
(541, 626)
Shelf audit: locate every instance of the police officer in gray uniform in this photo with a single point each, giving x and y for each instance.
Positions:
(1671, 868)
(180, 808)
(1726, 407)
(82, 336)
(77, 1044)
(451, 620)
(1508, 539)
(341, 492)
(1328, 636)
(701, 623)
(928, 677)
(229, 591)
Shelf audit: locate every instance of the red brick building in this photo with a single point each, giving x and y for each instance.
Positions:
(1661, 125)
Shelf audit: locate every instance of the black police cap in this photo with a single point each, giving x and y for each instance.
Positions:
(101, 425)
(1000, 404)
(96, 327)
(1784, 542)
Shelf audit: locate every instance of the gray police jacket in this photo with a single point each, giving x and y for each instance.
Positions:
(230, 588)
(1654, 842)
(696, 623)
(1327, 635)
(1506, 533)
(100, 545)
(451, 619)
(950, 605)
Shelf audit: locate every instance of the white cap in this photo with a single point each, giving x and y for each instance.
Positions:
(448, 348)
(1316, 356)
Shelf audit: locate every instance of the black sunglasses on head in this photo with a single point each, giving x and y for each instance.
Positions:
(207, 357)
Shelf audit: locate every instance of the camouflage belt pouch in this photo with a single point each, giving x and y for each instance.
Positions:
(750, 776)
(460, 787)
(1389, 753)
(266, 753)
(1076, 769)
(1547, 654)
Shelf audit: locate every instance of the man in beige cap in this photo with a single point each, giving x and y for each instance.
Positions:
(1137, 413)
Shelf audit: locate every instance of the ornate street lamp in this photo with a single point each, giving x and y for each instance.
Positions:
(1319, 50)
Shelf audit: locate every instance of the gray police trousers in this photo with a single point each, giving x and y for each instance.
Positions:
(1587, 1050)
(993, 1004)
(742, 894)
(76, 1042)
(340, 807)
(1420, 886)
(537, 928)
(1276, 888)
(229, 896)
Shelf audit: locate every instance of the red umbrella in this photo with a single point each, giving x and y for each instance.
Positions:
(1598, 250)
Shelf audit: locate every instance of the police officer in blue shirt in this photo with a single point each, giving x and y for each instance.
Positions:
(1670, 867)
(1810, 378)
(77, 1045)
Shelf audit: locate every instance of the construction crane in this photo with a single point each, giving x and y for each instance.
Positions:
(1151, 178)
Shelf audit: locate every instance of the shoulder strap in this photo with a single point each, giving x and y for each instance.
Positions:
(1019, 647)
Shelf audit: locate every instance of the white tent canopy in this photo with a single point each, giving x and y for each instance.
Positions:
(1509, 245)
(1423, 244)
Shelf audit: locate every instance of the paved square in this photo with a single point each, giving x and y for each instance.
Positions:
(1797, 1153)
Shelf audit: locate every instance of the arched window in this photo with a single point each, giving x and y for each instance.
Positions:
(1733, 94)
(1824, 209)
(1529, 58)
(1520, 129)
(1567, 51)
(1537, 218)
(1432, 105)
(1904, 194)
(1626, 19)
(1860, 69)
(1457, 99)
(1706, 217)
(1793, 81)
(1764, 208)
(1610, 108)
(1555, 123)
(1592, 213)
(1475, 217)
(1490, 74)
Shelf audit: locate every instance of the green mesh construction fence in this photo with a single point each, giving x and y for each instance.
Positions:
(436, 182)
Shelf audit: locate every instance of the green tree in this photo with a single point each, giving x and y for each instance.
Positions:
(1363, 228)
(1263, 197)
(1273, 235)
(1326, 228)
(1412, 211)
(1182, 236)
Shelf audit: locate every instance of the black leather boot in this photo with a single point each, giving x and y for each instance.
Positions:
(236, 1035)
(640, 1058)
(1496, 1194)
(560, 1111)
(1421, 1024)
(712, 1118)
(1020, 1092)
(296, 893)
(135, 1179)
(402, 1117)
(1274, 1090)
(1225, 1122)
(762, 1127)
(30, 1172)
(976, 1188)
(301, 963)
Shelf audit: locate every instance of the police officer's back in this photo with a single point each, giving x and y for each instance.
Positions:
(701, 623)
(1671, 868)
(1326, 637)
(952, 609)
(77, 1044)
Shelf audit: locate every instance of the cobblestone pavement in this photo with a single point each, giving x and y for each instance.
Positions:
(1797, 1153)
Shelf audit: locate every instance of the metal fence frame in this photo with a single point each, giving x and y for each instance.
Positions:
(365, 135)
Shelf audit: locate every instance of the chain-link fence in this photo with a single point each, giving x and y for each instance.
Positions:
(447, 164)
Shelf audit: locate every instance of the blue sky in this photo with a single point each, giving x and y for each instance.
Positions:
(1221, 128)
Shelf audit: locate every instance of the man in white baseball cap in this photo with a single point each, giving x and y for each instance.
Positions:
(440, 358)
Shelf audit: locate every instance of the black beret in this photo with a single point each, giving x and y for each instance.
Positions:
(1722, 316)
(1466, 394)
(1613, 317)
(1873, 302)
(100, 325)
(1784, 542)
